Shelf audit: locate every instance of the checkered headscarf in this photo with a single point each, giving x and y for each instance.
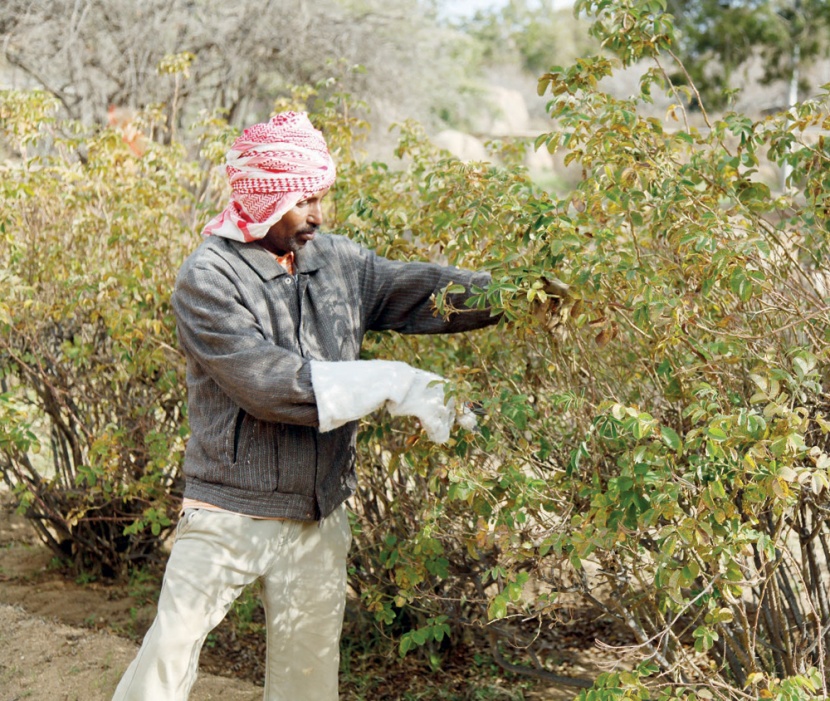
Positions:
(271, 167)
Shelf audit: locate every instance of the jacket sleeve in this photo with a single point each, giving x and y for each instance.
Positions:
(223, 338)
(400, 297)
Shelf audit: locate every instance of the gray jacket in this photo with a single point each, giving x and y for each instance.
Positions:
(249, 330)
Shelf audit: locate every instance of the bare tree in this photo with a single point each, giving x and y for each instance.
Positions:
(92, 54)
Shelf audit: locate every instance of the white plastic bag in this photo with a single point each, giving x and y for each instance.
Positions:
(349, 390)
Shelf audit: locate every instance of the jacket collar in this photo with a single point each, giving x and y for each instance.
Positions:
(310, 257)
(307, 260)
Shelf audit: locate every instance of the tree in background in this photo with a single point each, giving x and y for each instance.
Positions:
(716, 37)
(532, 35)
(98, 53)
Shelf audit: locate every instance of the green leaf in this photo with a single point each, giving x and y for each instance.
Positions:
(716, 433)
(671, 439)
(497, 608)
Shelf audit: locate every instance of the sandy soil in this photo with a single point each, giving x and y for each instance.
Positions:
(62, 640)
(44, 660)
(58, 639)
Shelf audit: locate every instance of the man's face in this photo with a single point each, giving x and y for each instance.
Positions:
(297, 226)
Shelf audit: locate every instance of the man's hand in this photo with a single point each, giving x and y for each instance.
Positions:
(553, 307)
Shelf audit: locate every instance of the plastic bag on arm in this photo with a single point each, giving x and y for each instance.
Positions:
(349, 390)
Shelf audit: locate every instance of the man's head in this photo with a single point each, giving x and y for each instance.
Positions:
(297, 226)
(277, 170)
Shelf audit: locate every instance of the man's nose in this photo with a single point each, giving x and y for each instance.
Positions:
(315, 213)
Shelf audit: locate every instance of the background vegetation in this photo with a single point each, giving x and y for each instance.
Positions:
(656, 447)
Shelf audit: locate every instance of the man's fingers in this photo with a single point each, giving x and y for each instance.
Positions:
(556, 288)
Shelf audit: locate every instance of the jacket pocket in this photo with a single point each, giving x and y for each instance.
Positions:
(251, 455)
(237, 432)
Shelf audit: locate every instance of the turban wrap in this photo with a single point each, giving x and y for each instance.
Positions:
(271, 167)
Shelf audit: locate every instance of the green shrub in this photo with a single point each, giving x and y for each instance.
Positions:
(92, 238)
(663, 454)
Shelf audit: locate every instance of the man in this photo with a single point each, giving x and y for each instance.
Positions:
(271, 315)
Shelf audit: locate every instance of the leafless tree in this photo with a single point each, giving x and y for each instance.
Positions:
(95, 53)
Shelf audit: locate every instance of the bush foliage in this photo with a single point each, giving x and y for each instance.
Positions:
(657, 449)
(92, 413)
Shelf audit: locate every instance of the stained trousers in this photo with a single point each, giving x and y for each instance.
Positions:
(302, 567)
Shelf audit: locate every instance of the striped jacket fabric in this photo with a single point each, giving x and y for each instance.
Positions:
(249, 329)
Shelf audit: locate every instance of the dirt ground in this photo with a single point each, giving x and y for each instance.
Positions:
(64, 640)
(42, 659)
(58, 638)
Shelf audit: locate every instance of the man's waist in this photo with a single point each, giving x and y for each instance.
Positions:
(264, 504)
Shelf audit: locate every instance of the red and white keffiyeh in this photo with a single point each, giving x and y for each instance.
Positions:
(271, 167)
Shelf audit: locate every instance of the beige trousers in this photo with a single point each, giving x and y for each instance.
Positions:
(302, 567)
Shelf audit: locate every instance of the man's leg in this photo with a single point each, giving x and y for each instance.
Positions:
(214, 557)
(304, 595)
